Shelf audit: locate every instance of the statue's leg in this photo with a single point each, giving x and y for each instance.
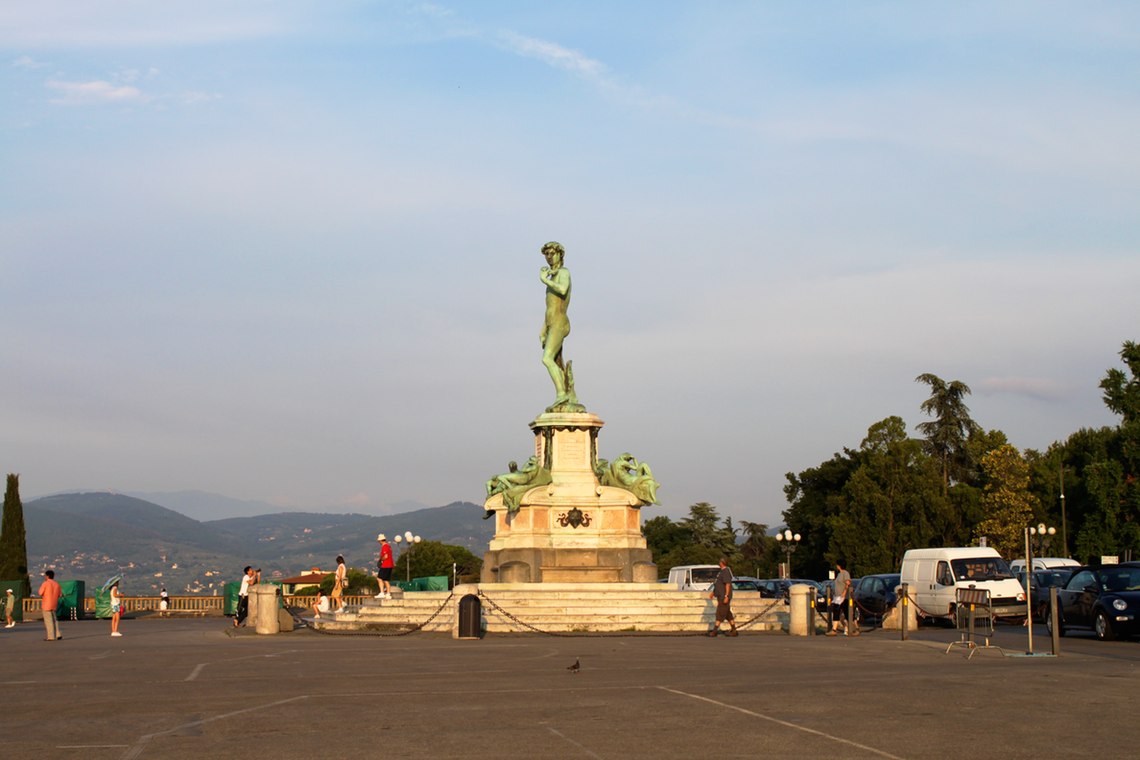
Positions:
(552, 358)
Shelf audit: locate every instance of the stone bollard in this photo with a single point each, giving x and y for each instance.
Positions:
(263, 598)
(893, 619)
(800, 598)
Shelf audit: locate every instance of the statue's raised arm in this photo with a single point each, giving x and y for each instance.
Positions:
(555, 328)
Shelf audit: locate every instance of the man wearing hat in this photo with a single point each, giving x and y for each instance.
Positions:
(384, 566)
(9, 607)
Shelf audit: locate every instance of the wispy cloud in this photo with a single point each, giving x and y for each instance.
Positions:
(554, 55)
(1040, 388)
(433, 10)
(97, 92)
(27, 62)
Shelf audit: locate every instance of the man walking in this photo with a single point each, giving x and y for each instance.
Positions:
(722, 592)
(384, 568)
(841, 588)
(49, 602)
(9, 608)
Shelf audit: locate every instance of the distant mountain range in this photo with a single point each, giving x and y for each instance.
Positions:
(203, 505)
(93, 535)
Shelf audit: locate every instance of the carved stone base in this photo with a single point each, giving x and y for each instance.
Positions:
(572, 530)
(569, 566)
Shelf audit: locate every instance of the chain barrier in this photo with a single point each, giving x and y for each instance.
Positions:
(308, 623)
(413, 629)
(922, 612)
(615, 634)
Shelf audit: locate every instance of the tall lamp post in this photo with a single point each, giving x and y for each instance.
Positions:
(790, 541)
(411, 540)
(1042, 533)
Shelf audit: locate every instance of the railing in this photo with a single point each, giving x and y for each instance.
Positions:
(199, 605)
(307, 600)
(193, 604)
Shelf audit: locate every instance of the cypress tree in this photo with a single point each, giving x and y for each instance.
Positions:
(13, 537)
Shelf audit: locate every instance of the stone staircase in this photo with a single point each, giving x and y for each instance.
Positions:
(559, 608)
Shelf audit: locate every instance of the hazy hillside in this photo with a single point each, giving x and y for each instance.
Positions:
(91, 536)
(316, 539)
(116, 519)
(202, 505)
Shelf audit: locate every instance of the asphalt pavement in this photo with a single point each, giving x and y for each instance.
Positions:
(174, 688)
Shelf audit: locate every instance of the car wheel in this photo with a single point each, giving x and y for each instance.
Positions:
(1102, 627)
(1060, 623)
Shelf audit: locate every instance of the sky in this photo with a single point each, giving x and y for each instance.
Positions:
(288, 251)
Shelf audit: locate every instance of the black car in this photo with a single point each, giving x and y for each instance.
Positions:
(1043, 580)
(1105, 599)
(875, 594)
(778, 588)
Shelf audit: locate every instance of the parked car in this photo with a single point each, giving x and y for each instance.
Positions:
(875, 594)
(935, 576)
(746, 583)
(777, 588)
(1043, 580)
(693, 577)
(1044, 563)
(1105, 599)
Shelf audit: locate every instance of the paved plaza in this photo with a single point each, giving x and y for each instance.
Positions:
(193, 689)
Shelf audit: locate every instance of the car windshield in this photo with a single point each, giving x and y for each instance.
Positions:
(1121, 578)
(981, 569)
(1047, 578)
(704, 574)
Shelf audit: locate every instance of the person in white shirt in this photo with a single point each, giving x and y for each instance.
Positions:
(250, 578)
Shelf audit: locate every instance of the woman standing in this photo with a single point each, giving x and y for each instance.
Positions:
(339, 583)
(116, 608)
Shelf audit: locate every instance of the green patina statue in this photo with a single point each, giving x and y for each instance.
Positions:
(513, 484)
(555, 328)
(626, 472)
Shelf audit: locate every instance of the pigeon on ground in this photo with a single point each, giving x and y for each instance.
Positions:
(576, 666)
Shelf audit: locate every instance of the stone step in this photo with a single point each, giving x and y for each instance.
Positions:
(508, 626)
(558, 608)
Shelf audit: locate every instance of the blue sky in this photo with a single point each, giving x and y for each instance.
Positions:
(288, 251)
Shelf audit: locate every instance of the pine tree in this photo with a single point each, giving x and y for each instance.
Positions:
(13, 538)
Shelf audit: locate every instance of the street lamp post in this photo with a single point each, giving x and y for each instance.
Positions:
(1043, 533)
(790, 541)
(411, 540)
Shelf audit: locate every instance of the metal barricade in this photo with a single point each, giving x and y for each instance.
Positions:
(973, 617)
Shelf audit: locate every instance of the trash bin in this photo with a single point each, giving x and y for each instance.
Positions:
(230, 597)
(470, 617)
(103, 604)
(71, 606)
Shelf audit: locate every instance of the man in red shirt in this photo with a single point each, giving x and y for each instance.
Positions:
(385, 566)
(49, 602)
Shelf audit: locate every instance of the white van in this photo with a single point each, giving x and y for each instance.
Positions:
(935, 575)
(693, 577)
(1043, 563)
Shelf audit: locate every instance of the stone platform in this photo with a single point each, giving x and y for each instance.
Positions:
(570, 529)
(559, 608)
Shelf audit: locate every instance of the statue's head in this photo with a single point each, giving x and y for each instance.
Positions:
(554, 251)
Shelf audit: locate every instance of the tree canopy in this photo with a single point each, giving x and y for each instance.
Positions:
(13, 537)
(961, 482)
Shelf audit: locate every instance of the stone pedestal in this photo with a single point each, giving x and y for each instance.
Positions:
(263, 608)
(799, 598)
(572, 530)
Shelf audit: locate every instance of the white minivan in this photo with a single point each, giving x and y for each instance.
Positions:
(693, 577)
(935, 575)
(1043, 563)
